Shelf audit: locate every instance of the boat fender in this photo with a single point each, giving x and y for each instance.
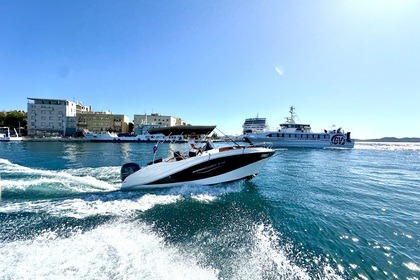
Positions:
(128, 169)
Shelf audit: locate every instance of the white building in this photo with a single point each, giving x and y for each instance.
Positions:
(157, 119)
(53, 116)
(143, 122)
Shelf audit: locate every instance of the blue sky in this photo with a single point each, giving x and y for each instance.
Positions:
(355, 64)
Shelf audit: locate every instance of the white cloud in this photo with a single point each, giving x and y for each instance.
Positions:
(279, 70)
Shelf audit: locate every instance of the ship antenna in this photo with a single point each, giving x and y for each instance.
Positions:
(292, 113)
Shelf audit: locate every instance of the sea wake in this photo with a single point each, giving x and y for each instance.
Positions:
(17, 182)
(78, 224)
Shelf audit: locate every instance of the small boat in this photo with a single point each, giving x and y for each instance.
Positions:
(106, 136)
(209, 166)
(103, 136)
(299, 135)
(8, 134)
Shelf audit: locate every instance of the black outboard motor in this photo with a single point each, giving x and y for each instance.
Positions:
(348, 137)
(128, 169)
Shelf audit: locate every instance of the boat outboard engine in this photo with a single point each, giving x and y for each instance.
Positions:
(128, 169)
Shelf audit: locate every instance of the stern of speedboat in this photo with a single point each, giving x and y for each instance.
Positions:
(128, 169)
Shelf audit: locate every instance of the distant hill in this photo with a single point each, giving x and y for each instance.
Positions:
(391, 139)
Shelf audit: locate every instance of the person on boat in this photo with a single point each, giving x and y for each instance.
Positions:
(193, 149)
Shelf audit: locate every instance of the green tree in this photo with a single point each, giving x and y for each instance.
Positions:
(13, 119)
(2, 118)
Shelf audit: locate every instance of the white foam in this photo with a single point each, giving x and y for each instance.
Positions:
(148, 201)
(104, 173)
(412, 266)
(206, 198)
(387, 146)
(113, 251)
(198, 190)
(131, 250)
(82, 208)
(23, 184)
(266, 257)
(364, 277)
(30, 177)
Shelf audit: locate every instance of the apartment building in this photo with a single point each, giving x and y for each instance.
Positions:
(53, 117)
(102, 121)
(157, 119)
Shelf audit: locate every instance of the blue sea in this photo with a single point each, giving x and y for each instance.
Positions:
(309, 214)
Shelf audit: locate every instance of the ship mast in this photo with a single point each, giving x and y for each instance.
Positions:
(292, 115)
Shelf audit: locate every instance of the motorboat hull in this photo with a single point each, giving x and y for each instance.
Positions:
(209, 168)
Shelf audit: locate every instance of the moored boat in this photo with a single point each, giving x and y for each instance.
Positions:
(8, 134)
(299, 135)
(209, 166)
(106, 136)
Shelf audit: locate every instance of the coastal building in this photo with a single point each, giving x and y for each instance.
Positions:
(143, 122)
(53, 117)
(157, 119)
(102, 121)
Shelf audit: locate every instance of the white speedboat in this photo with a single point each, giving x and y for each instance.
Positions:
(210, 166)
(8, 134)
(299, 135)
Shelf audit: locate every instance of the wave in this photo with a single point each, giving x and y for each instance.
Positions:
(73, 241)
(93, 205)
(117, 203)
(113, 251)
(387, 146)
(132, 250)
(20, 182)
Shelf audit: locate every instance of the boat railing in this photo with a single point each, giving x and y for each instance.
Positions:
(267, 145)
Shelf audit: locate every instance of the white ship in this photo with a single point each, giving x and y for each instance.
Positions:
(144, 136)
(254, 125)
(299, 135)
(8, 134)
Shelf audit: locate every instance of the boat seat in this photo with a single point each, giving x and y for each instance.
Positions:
(177, 156)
